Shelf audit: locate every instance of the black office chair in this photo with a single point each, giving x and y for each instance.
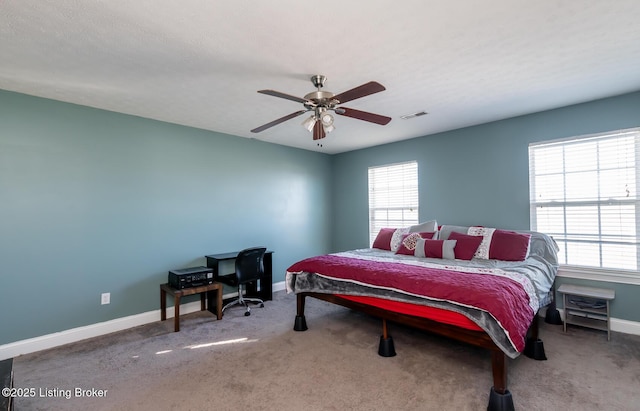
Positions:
(249, 268)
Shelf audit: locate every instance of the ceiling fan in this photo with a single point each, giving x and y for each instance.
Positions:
(322, 102)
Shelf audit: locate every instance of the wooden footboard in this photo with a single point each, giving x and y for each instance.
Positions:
(477, 338)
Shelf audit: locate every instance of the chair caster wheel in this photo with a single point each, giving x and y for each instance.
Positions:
(261, 305)
(247, 313)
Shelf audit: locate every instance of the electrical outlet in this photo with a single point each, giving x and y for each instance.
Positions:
(105, 299)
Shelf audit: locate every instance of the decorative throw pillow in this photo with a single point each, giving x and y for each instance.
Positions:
(426, 227)
(509, 245)
(383, 239)
(466, 245)
(436, 249)
(397, 238)
(410, 241)
(486, 233)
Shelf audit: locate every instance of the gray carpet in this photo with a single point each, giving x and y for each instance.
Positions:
(259, 362)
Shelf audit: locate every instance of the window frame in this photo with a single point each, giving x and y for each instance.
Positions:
(590, 272)
(410, 193)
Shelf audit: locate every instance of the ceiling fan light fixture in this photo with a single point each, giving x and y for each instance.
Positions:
(327, 119)
(328, 129)
(309, 123)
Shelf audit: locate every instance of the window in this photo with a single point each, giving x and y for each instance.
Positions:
(393, 197)
(584, 193)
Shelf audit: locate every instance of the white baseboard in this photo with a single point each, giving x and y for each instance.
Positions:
(44, 342)
(278, 286)
(625, 326)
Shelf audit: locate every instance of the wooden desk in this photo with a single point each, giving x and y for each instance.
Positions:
(213, 299)
(266, 284)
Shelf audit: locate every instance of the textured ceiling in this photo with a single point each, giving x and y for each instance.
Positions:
(200, 62)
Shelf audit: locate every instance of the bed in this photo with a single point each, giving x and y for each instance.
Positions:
(479, 285)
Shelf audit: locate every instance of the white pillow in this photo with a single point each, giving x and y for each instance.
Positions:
(426, 227)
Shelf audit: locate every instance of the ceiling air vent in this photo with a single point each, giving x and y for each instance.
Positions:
(418, 114)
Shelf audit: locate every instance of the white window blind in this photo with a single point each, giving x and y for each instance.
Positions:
(584, 193)
(393, 197)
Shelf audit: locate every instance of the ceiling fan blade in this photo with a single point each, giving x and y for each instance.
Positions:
(278, 121)
(363, 115)
(318, 131)
(360, 91)
(282, 95)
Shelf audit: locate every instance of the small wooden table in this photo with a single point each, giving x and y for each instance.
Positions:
(587, 306)
(211, 300)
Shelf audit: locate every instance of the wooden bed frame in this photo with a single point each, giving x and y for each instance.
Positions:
(500, 398)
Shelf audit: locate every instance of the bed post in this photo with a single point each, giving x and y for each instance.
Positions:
(553, 315)
(386, 347)
(534, 347)
(300, 323)
(500, 398)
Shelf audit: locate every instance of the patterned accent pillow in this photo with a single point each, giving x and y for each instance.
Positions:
(397, 238)
(486, 233)
(410, 241)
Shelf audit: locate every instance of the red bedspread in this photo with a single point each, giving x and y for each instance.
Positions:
(502, 297)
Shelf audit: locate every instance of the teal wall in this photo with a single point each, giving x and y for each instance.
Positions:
(477, 175)
(93, 201)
